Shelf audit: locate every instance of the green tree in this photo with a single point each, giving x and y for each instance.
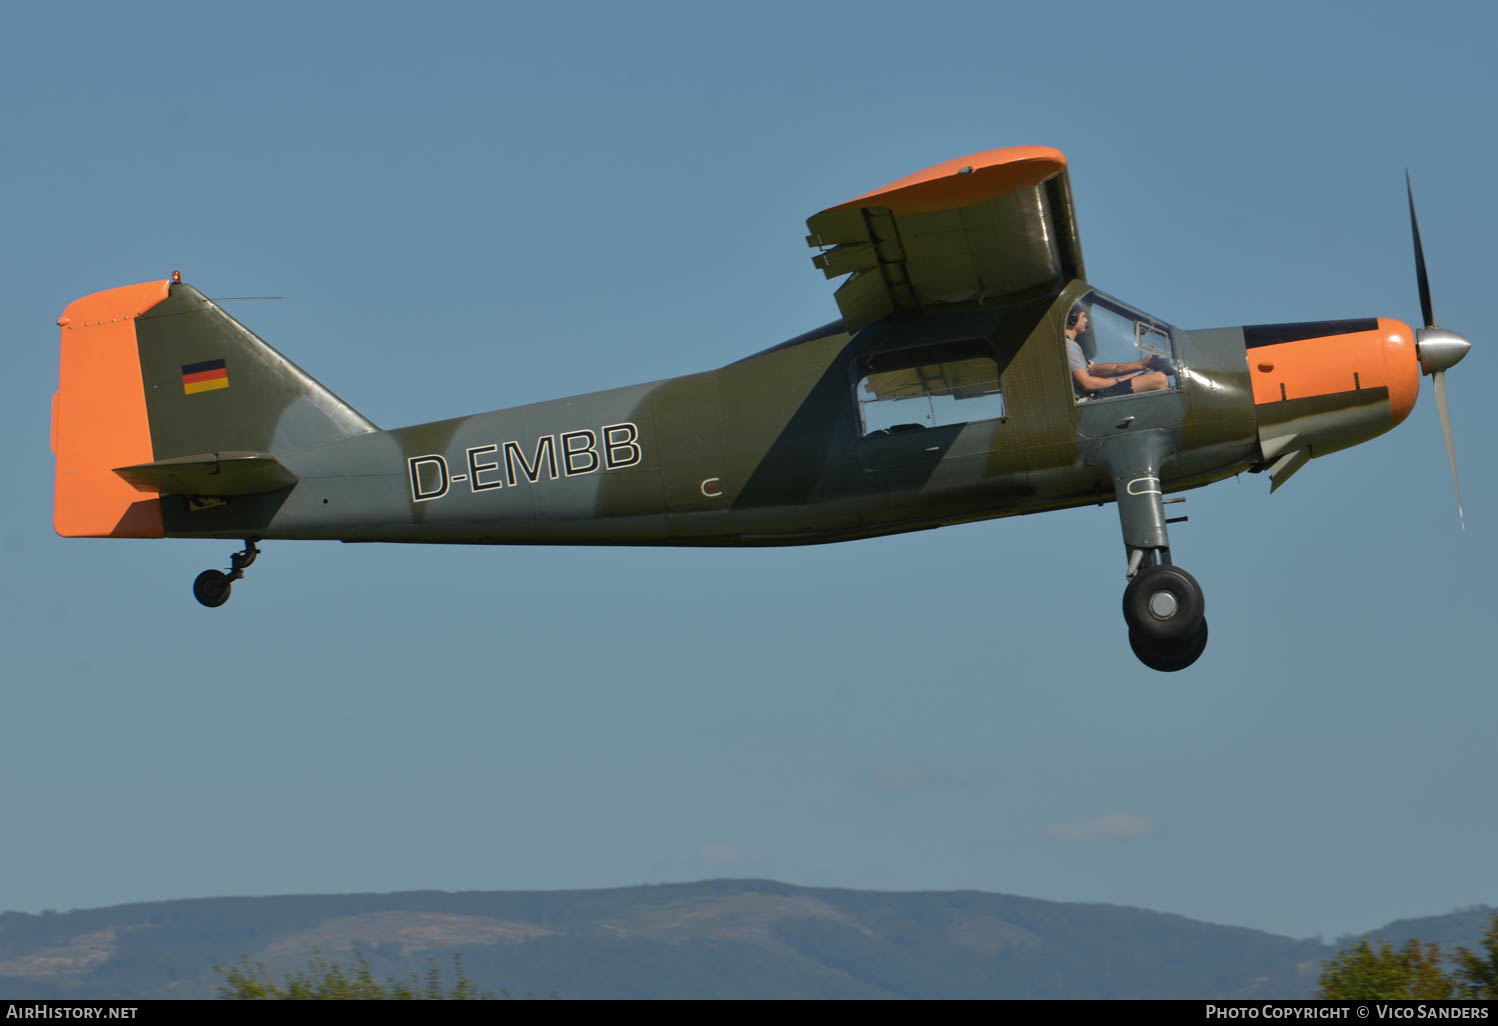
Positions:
(1412, 973)
(325, 980)
(1477, 977)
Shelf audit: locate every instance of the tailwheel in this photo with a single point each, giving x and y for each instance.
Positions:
(212, 587)
(1169, 656)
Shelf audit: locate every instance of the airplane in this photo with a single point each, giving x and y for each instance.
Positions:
(974, 373)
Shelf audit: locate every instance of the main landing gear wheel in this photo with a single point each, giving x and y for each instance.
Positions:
(1163, 604)
(1167, 657)
(212, 587)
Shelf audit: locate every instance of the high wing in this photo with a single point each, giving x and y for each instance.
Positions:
(963, 233)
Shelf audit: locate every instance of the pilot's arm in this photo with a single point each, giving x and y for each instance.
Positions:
(1115, 369)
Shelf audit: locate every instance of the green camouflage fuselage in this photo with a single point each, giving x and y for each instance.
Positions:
(764, 451)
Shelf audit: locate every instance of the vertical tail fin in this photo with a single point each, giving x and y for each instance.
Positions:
(156, 371)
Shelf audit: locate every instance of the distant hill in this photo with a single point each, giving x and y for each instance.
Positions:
(1464, 927)
(719, 938)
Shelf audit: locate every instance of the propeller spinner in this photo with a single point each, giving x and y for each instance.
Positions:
(1437, 348)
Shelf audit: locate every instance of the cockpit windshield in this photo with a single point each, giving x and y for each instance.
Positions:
(1114, 350)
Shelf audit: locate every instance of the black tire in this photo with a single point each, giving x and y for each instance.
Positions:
(211, 588)
(1186, 602)
(1172, 656)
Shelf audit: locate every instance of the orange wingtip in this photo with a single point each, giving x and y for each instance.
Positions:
(99, 417)
(966, 180)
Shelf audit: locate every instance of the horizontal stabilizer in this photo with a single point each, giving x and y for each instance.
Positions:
(212, 474)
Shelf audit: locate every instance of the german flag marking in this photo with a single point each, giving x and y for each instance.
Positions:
(204, 377)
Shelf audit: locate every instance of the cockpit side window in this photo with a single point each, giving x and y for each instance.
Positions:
(932, 386)
(1113, 350)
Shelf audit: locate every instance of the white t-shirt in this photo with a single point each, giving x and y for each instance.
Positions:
(1075, 361)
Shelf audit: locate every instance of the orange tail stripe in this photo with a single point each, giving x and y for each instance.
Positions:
(99, 418)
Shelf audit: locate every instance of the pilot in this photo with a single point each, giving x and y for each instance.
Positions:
(1104, 380)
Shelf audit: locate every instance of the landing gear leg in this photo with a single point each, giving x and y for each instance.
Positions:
(212, 587)
(1162, 605)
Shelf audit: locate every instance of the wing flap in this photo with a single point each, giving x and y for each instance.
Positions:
(211, 474)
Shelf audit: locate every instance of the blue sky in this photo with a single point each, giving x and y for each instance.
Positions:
(473, 207)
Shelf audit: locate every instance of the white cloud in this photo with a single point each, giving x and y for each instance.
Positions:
(717, 858)
(1111, 826)
(724, 855)
(898, 780)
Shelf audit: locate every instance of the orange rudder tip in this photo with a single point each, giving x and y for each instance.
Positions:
(99, 417)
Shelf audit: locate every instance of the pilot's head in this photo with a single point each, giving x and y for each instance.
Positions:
(1076, 320)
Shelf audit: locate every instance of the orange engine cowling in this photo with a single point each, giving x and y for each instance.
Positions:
(1322, 386)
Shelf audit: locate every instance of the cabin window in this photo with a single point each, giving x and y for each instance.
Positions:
(933, 386)
(1113, 350)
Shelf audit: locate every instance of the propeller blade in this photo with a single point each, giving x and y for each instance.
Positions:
(1440, 383)
(1425, 305)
